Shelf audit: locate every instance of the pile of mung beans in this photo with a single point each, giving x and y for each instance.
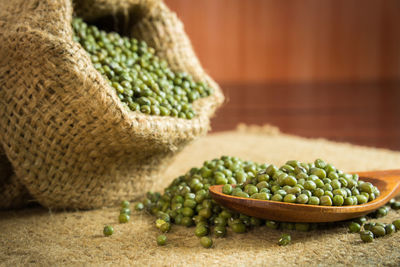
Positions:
(142, 81)
(316, 183)
(187, 201)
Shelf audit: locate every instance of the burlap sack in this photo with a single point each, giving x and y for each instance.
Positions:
(69, 139)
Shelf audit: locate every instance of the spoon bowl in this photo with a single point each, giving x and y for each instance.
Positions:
(388, 183)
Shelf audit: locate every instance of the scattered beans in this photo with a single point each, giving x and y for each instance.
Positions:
(108, 230)
(284, 240)
(161, 240)
(187, 202)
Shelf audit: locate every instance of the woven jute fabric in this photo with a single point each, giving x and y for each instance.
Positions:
(13, 193)
(41, 237)
(70, 141)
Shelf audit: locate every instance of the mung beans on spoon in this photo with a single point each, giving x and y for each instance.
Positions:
(387, 181)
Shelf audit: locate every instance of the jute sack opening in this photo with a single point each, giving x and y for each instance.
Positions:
(69, 139)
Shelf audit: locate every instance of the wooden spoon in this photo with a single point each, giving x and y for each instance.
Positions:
(388, 183)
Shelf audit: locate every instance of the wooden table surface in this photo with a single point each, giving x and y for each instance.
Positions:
(365, 114)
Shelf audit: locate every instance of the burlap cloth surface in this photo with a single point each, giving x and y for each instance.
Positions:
(38, 236)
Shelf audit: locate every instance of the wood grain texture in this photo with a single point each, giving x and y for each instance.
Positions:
(314, 68)
(294, 40)
(388, 182)
(360, 113)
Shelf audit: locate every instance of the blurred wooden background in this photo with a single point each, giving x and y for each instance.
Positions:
(315, 68)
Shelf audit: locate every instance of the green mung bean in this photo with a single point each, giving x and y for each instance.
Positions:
(206, 242)
(366, 236)
(108, 230)
(284, 240)
(354, 227)
(161, 240)
(124, 218)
